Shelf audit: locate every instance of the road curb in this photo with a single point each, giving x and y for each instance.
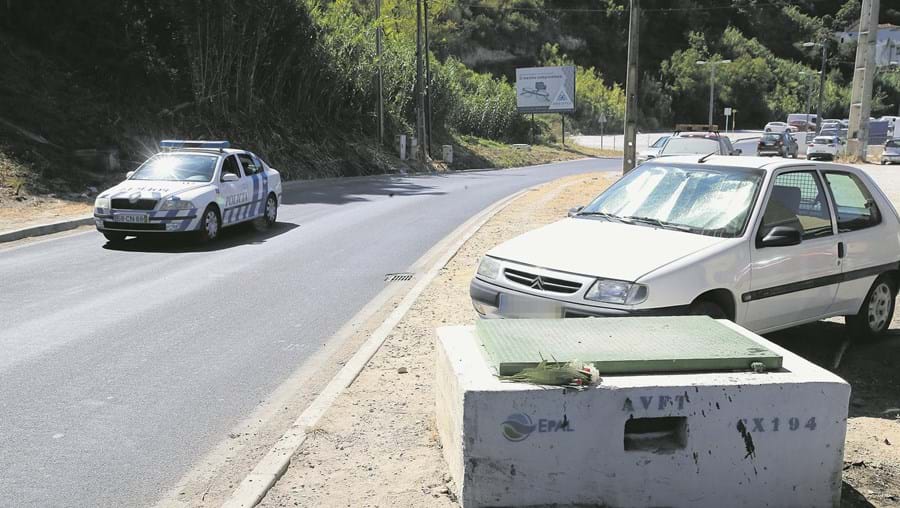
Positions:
(46, 229)
(254, 487)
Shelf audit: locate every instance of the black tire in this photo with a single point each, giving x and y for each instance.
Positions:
(877, 311)
(270, 214)
(210, 225)
(707, 308)
(114, 237)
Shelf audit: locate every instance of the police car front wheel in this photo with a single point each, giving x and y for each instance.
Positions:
(270, 215)
(210, 225)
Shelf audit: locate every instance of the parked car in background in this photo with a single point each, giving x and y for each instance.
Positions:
(727, 147)
(766, 244)
(776, 127)
(831, 124)
(780, 144)
(824, 147)
(653, 150)
(841, 133)
(695, 145)
(802, 121)
(891, 152)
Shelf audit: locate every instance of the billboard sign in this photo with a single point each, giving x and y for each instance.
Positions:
(545, 89)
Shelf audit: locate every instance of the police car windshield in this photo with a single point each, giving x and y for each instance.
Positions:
(178, 167)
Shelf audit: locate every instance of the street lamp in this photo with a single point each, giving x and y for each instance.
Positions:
(821, 81)
(896, 66)
(712, 82)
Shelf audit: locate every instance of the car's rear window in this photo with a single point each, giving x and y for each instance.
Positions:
(893, 143)
(771, 137)
(823, 141)
(702, 146)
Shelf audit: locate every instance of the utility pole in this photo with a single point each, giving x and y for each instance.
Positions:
(631, 88)
(421, 150)
(712, 85)
(427, 83)
(863, 76)
(378, 36)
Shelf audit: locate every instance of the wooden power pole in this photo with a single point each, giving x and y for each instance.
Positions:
(631, 88)
(380, 109)
(421, 150)
(863, 76)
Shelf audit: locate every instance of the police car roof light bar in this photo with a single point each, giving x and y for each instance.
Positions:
(174, 144)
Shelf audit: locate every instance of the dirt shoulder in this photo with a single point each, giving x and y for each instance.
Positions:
(377, 446)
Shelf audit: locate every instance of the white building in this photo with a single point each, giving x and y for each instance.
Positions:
(887, 44)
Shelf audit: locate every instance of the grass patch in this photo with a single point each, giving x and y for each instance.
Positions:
(471, 152)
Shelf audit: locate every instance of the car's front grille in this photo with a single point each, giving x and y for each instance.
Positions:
(128, 226)
(542, 282)
(141, 204)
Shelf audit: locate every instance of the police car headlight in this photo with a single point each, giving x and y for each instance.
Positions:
(176, 204)
(489, 267)
(617, 291)
(102, 205)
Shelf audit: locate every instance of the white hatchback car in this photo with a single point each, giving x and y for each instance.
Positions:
(777, 127)
(767, 244)
(824, 147)
(196, 186)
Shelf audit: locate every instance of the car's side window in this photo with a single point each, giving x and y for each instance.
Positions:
(230, 165)
(797, 200)
(249, 164)
(854, 204)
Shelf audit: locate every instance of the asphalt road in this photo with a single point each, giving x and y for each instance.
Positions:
(121, 367)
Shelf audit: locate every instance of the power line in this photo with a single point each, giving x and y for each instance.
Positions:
(621, 11)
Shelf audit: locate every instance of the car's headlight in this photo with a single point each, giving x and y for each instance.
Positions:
(617, 291)
(102, 204)
(176, 204)
(489, 268)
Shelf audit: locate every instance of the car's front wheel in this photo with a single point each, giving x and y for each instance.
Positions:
(708, 308)
(209, 225)
(877, 310)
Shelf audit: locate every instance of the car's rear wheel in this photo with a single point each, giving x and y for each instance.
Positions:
(877, 310)
(210, 225)
(270, 214)
(113, 237)
(708, 308)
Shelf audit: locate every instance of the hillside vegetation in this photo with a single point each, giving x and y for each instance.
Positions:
(92, 86)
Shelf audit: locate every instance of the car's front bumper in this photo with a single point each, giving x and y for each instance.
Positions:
(486, 300)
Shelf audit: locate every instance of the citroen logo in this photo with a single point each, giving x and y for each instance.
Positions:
(134, 197)
(537, 283)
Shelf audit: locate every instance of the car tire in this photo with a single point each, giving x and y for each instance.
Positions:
(707, 308)
(877, 311)
(768, 130)
(210, 225)
(113, 237)
(269, 216)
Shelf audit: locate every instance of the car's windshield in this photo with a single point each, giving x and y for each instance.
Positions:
(659, 142)
(178, 167)
(676, 146)
(893, 143)
(710, 201)
(771, 137)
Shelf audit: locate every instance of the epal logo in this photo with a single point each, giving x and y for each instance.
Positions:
(517, 427)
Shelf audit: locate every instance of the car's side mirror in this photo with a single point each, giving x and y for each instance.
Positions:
(230, 177)
(574, 211)
(781, 236)
(129, 174)
(738, 151)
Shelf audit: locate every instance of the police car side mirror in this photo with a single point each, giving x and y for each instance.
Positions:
(129, 174)
(230, 177)
(574, 211)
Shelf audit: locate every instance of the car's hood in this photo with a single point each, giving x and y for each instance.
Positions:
(597, 247)
(150, 189)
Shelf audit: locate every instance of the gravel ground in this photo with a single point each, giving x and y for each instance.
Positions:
(377, 446)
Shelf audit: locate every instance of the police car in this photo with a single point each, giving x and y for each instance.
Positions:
(197, 186)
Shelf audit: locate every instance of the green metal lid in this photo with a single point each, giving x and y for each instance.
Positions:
(629, 345)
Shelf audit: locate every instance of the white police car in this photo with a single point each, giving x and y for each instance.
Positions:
(198, 186)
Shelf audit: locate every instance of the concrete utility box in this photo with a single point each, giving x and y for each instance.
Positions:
(702, 433)
(448, 153)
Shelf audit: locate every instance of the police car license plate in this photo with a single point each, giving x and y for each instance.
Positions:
(132, 218)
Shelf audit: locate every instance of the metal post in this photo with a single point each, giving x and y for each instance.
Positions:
(712, 88)
(821, 89)
(863, 76)
(631, 88)
(420, 89)
(532, 128)
(378, 36)
(563, 128)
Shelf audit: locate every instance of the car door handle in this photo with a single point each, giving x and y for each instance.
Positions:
(840, 250)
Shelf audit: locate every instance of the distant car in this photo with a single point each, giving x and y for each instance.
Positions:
(824, 147)
(802, 121)
(891, 152)
(831, 124)
(191, 186)
(653, 150)
(768, 244)
(840, 133)
(776, 127)
(781, 144)
(698, 143)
